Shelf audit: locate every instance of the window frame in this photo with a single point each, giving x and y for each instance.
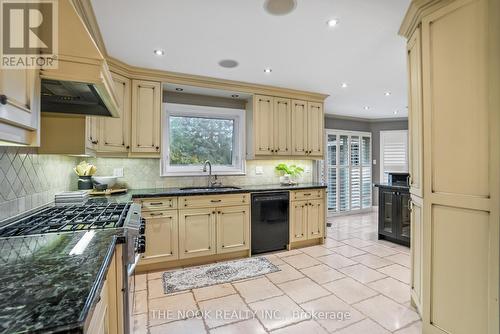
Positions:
(184, 110)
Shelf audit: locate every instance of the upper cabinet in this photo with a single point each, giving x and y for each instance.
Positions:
(283, 127)
(146, 116)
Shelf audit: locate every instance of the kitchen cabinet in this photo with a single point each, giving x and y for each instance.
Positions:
(20, 106)
(416, 251)
(92, 132)
(233, 228)
(114, 133)
(282, 126)
(307, 216)
(197, 232)
(263, 123)
(146, 116)
(307, 128)
(299, 127)
(394, 216)
(162, 232)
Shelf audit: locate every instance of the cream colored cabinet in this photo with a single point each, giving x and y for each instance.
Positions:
(299, 127)
(162, 233)
(459, 211)
(415, 121)
(263, 124)
(298, 221)
(315, 219)
(146, 116)
(114, 133)
(99, 322)
(282, 126)
(92, 132)
(20, 106)
(197, 232)
(233, 227)
(307, 128)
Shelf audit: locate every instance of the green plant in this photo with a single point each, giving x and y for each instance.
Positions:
(292, 170)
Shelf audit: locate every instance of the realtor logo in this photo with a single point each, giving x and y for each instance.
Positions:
(29, 34)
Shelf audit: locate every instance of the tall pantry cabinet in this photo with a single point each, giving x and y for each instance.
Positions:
(453, 55)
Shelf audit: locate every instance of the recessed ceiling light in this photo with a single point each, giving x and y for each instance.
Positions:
(366, 107)
(228, 63)
(234, 96)
(159, 52)
(395, 112)
(343, 85)
(280, 7)
(268, 70)
(332, 23)
(179, 89)
(387, 93)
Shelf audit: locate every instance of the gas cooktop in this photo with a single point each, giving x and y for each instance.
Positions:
(69, 218)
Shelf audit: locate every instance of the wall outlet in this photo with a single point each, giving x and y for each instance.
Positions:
(307, 170)
(374, 162)
(259, 170)
(118, 172)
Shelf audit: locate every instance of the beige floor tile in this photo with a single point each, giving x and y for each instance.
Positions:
(347, 251)
(322, 273)
(213, 291)
(336, 261)
(251, 326)
(188, 326)
(224, 310)
(400, 258)
(330, 243)
(308, 326)
(287, 273)
(372, 261)
(155, 274)
(380, 250)
(303, 289)
(257, 289)
(391, 315)
(316, 251)
(398, 272)
(393, 289)
(355, 242)
(141, 302)
(349, 290)
(415, 328)
(366, 326)
(140, 324)
(288, 253)
(171, 308)
(288, 311)
(340, 314)
(141, 282)
(362, 273)
(155, 289)
(301, 261)
(276, 260)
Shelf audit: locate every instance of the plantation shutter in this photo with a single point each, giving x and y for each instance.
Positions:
(394, 152)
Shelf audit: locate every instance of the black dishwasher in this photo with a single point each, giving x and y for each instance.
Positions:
(269, 222)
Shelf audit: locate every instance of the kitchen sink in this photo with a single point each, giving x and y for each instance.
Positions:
(209, 188)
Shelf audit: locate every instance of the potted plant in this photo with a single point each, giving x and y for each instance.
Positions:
(289, 173)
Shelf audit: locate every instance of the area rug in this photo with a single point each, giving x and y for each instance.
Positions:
(217, 273)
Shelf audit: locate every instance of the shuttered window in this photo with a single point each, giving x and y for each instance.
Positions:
(393, 152)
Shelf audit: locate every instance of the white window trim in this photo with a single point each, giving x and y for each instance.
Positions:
(381, 150)
(238, 115)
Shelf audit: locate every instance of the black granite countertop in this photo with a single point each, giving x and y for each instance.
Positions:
(392, 186)
(164, 192)
(48, 285)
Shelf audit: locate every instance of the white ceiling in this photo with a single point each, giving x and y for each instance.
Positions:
(363, 50)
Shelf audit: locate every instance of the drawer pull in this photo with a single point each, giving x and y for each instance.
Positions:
(156, 214)
(216, 200)
(156, 203)
(308, 194)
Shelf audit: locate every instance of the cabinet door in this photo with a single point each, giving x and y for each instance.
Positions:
(415, 123)
(416, 251)
(146, 116)
(299, 127)
(263, 118)
(233, 228)
(161, 236)
(115, 132)
(196, 232)
(315, 218)
(282, 126)
(298, 221)
(92, 132)
(315, 129)
(386, 211)
(403, 223)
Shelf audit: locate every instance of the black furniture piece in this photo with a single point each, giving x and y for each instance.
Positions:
(394, 213)
(270, 212)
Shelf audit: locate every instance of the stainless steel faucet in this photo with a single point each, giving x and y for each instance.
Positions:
(211, 182)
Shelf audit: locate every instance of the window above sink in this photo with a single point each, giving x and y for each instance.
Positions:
(193, 134)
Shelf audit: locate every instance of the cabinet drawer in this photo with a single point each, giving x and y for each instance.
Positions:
(306, 194)
(157, 204)
(210, 201)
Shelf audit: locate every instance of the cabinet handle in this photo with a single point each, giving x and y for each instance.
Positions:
(219, 212)
(3, 99)
(216, 200)
(213, 212)
(308, 194)
(153, 214)
(95, 142)
(156, 203)
(157, 148)
(410, 205)
(128, 147)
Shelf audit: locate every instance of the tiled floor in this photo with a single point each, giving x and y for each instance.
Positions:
(361, 283)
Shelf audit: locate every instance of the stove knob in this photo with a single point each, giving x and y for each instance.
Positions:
(142, 229)
(141, 244)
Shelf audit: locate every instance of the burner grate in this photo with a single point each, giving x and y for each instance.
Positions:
(69, 218)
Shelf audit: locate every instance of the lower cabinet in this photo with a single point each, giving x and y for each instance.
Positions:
(197, 232)
(307, 219)
(315, 219)
(394, 215)
(416, 251)
(298, 221)
(161, 236)
(233, 228)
